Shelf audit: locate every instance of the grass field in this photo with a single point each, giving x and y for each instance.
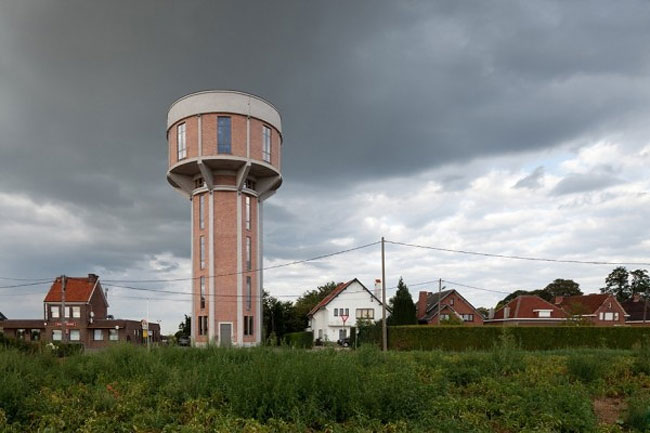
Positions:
(127, 389)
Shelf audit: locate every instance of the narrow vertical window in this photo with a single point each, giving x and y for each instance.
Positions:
(248, 213)
(202, 291)
(249, 263)
(223, 134)
(202, 251)
(266, 143)
(249, 293)
(180, 141)
(201, 212)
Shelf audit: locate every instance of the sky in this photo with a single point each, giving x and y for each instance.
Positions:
(508, 127)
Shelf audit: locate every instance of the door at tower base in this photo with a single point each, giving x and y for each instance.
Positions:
(225, 335)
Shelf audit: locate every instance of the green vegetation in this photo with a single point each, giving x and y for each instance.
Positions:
(503, 389)
(460, 338)
(302, 340)
(402, 307)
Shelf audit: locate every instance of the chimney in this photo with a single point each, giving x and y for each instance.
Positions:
(636, 297)
(378, 288)
(422, 304)
(92, 277)
(558, 300)
(491, 313)
(506, 312)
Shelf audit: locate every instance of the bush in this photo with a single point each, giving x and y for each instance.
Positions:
(587, 368)
(302, 340)
(461, 338)
(637, 416)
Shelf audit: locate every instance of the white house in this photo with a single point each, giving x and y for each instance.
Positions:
(333, 317)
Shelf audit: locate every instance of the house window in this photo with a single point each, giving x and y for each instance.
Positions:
(54, 311)
(223, 134)
(451, 301)
(203, 325)
(266, 143)
(365, 313)
(249, 254)
(202, 291)
(615, 316)
(181, 146)
(98, 335)
(248, 213)
(608, 317)
(467, 317)
(336, 312)
(35, 335)
(444, 317)
(202, 252)
(57, 335)
(113, 335)
(249, 293)
(20, 334)
(201, 212)
(347, 311)
(248, 325)
(74, 312)
(75, 335)
(544, 313)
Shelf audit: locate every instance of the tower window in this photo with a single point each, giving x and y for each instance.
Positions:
(180, 141)
(202, 291)
(201, 212)
(248, 325)
(248, 213)
(223, 134)
(203, 325)
(249, 254)
(202, 251)
(198, 182)
(249, 293)
(266, 143)
(249, 184)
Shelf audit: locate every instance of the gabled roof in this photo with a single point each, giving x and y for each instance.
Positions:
(77, 289)
(433, 298)
(525, 306)
(584, 304)
(2, 316)
(634, 309)
(341, 287)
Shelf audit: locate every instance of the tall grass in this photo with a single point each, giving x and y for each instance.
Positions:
(267, 389)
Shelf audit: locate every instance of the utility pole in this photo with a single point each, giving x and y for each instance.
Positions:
(63, 308)
(645, 306)
(439, 296)
(384, 329)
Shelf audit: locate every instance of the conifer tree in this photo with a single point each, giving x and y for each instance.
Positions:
(402, 306)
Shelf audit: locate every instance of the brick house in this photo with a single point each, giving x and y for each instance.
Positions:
(528, 310)
(599, 309)
(638, 311)
(84, 319)
(451, 303)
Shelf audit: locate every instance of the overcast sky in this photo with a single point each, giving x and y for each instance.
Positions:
(503, 127)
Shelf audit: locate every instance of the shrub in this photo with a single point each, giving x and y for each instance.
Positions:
(637, 415)
(302, 340)
(586, 368)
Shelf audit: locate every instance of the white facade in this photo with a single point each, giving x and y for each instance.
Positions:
(327, 324)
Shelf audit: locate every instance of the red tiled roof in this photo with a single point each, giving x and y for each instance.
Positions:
(326, 300)
(523, 307)
(586, 304)
(76, 289)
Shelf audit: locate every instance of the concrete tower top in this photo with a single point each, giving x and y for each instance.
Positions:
(224, 101)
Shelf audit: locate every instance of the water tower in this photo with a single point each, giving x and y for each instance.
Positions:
(225, 156)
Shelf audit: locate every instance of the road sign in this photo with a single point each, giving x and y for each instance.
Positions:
(344, 317)
(145, 325)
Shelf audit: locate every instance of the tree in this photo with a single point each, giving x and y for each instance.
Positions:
(560, 287)
(279, 317)
(485, 312)
(640, 282)
(310, 299)
(617, 284)
(184, 328)
(514, 294)
(402, 306)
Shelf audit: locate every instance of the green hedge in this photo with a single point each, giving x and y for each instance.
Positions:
(460, 338)
(302, 340)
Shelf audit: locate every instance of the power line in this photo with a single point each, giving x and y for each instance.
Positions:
(266, 268)
(504, 256)
(474, 287)
(37, 283)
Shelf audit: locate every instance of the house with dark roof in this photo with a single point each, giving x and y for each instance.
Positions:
(75, 310)
(599, 309)
(637, 310)
(332, 318)
(433, 307)
(528, 310)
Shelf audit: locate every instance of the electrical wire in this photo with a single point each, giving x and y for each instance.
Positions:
(504, 256)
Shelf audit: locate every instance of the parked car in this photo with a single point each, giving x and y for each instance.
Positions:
(184, 341)
(344, 342)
